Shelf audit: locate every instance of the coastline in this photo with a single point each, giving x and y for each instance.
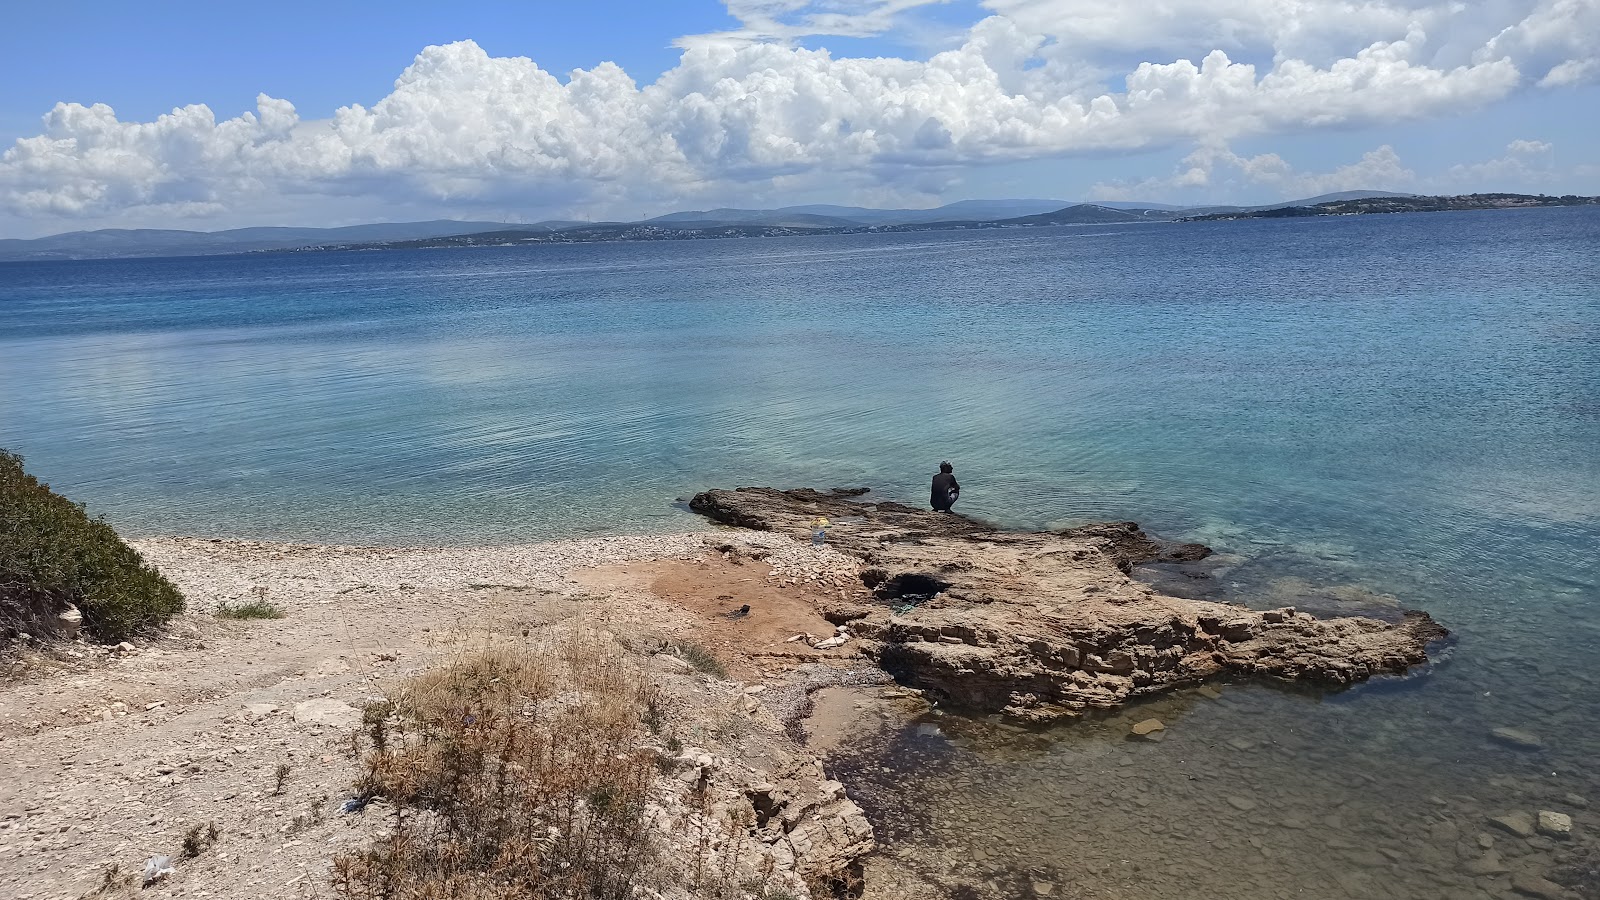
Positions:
(117, 755)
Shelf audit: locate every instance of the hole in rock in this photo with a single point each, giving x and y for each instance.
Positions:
(909, 587)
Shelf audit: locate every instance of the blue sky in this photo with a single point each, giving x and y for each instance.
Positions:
(473, 109)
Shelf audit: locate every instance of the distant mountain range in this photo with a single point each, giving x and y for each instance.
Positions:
(715, 223)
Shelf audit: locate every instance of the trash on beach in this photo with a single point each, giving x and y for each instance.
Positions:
(157, 868)
(354, 805)
(835, 641)
(798, 637)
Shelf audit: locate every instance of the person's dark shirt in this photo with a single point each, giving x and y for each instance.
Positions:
(944, 484)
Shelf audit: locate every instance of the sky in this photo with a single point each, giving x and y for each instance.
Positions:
(204, 116)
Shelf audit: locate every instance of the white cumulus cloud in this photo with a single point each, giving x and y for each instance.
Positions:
(1213, 170)
(1217, 166)
(751, 109)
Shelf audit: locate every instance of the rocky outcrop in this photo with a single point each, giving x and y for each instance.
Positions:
(1042, 625)
(749, 809)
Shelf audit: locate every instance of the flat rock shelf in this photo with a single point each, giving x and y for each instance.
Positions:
(1041, 626)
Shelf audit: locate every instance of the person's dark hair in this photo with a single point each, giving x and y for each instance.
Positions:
(946, 468)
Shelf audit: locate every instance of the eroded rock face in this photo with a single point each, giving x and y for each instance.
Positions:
(751, 807)
(1042, 625)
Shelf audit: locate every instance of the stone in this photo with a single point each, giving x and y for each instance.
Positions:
(668, 662)
(328, 712)
(69, 623)
(1518, 823)
(1531, 885)
(1554, 824)
(1575, 800)
(1026, 608)
(1516, 737)
(1210, 692)
(1242, 804)
(125, 647)
(1147, 727)
(255, 711)
(1043, 888)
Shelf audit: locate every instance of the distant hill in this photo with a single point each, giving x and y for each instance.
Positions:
(817, 215)
(124, 242)
(687, 224)
(1090, 214)
(779, 218)
(1193, 211)
(1369, 203)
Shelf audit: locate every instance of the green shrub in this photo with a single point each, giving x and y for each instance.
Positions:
(250, 609)
(52, 553)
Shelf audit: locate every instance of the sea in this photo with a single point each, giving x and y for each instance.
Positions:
(1359, 413)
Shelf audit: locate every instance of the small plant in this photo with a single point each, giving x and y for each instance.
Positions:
(198, 840)
(280, 775)
(701, 658)
(375, 719)
(259, 607)
(113, 883)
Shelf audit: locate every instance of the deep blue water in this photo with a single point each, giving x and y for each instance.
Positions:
(1404, 404)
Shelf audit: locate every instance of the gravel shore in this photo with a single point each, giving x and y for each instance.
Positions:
(212, 572)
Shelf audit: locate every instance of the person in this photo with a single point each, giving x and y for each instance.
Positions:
(945, 488)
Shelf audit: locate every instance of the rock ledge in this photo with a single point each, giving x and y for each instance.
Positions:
(1042, 625)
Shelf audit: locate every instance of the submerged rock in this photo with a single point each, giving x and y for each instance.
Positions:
(1149, 728)
(1516, 737)
(1531, 885)
(1489, 863)
(1554, 824)
(1040, 625)
(1518, 823)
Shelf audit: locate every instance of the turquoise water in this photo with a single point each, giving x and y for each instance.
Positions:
(1398, 405)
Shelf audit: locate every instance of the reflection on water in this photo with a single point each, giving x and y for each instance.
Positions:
(1358, 413)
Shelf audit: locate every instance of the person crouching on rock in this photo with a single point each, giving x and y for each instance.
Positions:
(945, 489)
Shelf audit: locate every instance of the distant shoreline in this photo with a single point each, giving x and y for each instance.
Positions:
(1076, 216)
(1383, 205)
(1073, 216)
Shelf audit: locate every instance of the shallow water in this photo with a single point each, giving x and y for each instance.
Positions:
(1351, 409)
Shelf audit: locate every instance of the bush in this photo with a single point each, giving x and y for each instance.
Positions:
(52, 554)
(515, 772)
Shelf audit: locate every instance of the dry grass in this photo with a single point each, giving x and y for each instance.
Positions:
(516, 771)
